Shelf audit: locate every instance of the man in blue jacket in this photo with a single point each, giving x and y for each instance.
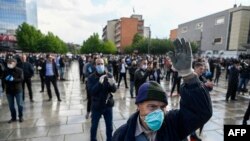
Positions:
(152, 123)
(100, 85)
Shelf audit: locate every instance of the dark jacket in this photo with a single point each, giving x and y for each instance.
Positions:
(28, 69)
(152, 75)
(140, 77)
(233, 76)
(15, 86)
(43, 71)
(195, 110)
(132, 70)
(99, 92)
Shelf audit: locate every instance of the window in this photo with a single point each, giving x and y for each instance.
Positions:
(217, 41)
(220, 20)
(199, 25)
(184, 29)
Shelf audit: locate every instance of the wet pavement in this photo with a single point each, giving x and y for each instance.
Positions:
(65, 121)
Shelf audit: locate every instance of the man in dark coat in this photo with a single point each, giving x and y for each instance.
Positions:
(28, 72)
(13, 77)
(152, 122)
(141, 75)
(233, 80)
(100, 85)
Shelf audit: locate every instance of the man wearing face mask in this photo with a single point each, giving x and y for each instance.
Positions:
(13, 78)
(152, 122)
(100, 85)
(141, 75)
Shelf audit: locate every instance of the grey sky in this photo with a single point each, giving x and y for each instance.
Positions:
(75, 20)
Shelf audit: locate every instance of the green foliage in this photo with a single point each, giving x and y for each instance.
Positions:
(194, 47)
(52, 43)
(30, 39)
(128, 50)
(108, 47)
(92, 44)
(137, 38)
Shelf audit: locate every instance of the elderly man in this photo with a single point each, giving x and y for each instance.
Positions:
(13, 78)
(152, 121)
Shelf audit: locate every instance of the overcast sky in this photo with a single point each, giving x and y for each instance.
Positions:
(75, 20)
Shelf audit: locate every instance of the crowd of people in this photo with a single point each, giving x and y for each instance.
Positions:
(192, 79)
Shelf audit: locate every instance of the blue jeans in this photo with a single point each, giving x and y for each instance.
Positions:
(61, 72)
(19, 101)
(242, 83)
(132, 85)
(108, 118)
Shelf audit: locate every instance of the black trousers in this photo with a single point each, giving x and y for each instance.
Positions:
(53, 80)
(247, 113)
(29, 86)
(231, 90)
(88, 99)
(177, 81)
(123, 75)
(42, 82)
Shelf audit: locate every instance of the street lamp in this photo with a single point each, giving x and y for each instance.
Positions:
(200, 43)
(149, 37)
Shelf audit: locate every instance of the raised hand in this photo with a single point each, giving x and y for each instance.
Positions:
(182, 57)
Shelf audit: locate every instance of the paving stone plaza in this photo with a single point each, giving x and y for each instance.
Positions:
(65, 121)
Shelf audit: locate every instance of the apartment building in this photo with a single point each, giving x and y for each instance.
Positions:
(121, 31)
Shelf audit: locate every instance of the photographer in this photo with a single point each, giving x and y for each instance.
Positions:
(100, 85)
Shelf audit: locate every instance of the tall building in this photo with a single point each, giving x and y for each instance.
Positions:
(122, 31)
(15, 12)
(109, 30)
(223, 34)
(173, 34)
(31, 11)
(147, 32)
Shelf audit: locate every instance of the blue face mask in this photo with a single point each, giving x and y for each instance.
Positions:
(100, 69)
(154, 120)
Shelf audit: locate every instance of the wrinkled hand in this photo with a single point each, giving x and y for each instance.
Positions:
(182, 57)
(101, 79)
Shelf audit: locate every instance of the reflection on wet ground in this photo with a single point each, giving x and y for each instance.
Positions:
(47, 121)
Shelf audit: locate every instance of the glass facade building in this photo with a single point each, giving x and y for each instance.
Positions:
(15, 12)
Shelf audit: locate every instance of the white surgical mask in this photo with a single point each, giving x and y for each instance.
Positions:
(144, 67)
(10, 66)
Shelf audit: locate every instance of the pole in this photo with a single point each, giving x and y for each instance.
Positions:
(200, 43)
(149, 39)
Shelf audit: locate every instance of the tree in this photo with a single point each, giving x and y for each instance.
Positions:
(28, 37)
(92, 44)
(194, 47)
(108, 47)
(52, 43)
(137, 38)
